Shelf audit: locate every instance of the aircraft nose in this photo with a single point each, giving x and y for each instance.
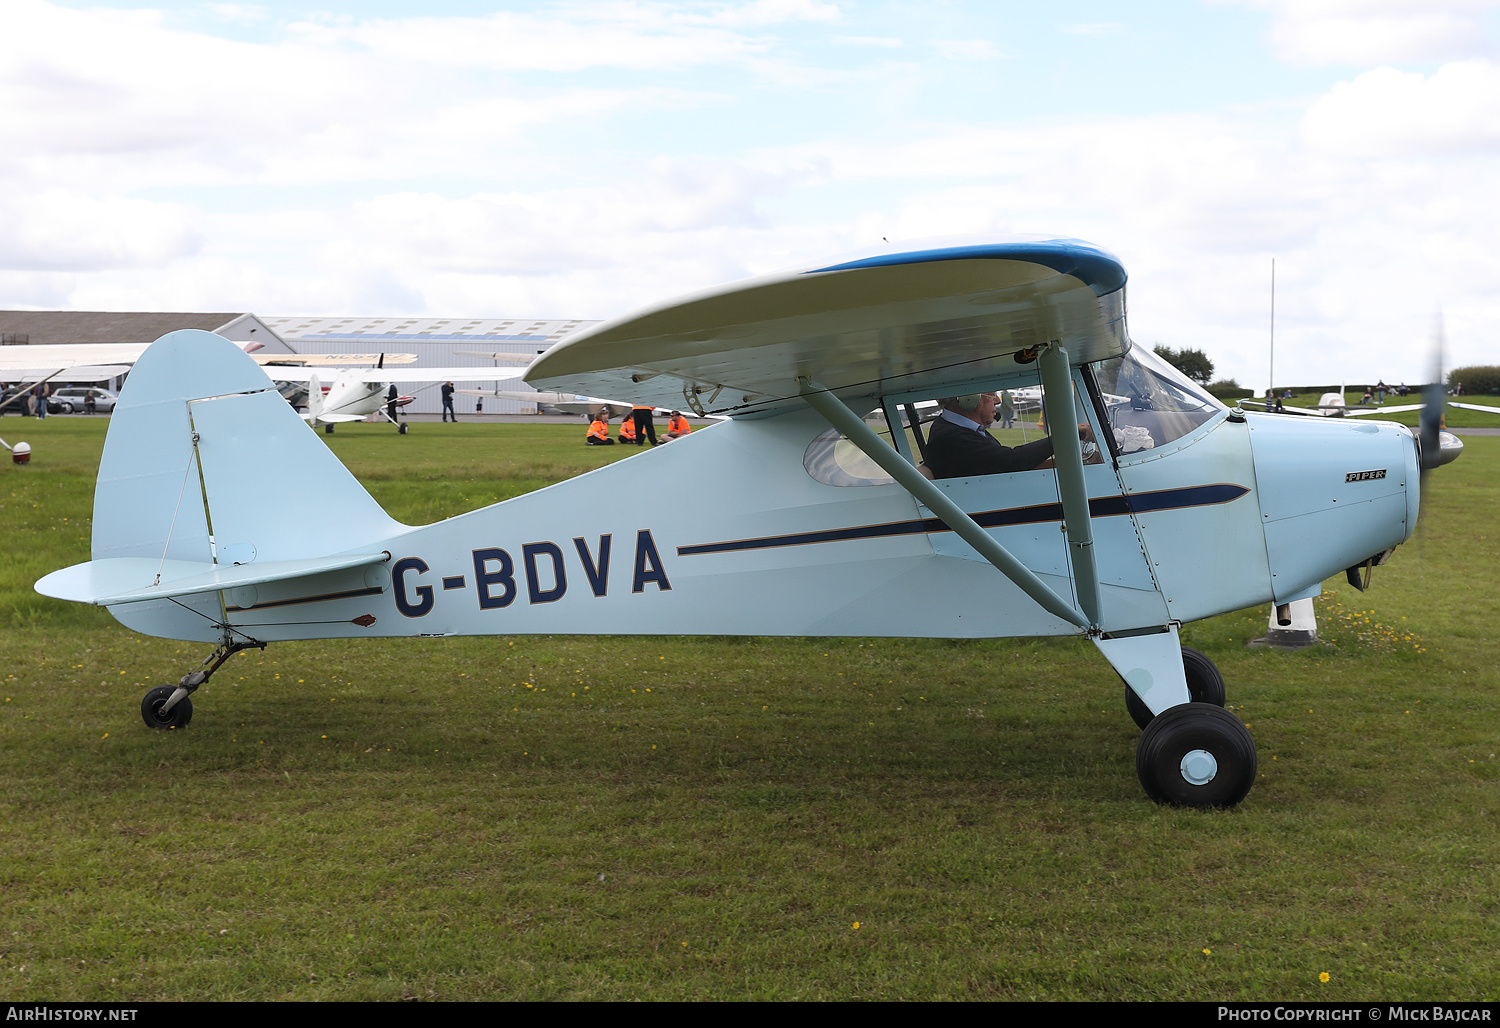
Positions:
(1332, 494)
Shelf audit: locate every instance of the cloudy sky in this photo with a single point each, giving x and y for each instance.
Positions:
(576, 159)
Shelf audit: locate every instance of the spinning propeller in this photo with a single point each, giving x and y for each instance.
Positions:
(1430, 425)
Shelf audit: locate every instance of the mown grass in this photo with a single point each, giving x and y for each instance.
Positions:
(602, 818)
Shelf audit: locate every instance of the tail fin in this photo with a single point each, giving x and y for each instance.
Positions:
(201, 444)
(314, 399)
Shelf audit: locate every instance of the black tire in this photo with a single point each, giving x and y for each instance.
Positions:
(1196, 755)
(67, 408)
(402, 430)
(178, 717)
(1205, 685)
(328, 430)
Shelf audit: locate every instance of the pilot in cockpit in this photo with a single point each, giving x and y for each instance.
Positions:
(959, 444)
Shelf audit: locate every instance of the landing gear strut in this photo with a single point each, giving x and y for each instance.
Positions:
(1205, 685)
(168, 706)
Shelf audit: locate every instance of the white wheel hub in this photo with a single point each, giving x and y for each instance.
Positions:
(1198, 767)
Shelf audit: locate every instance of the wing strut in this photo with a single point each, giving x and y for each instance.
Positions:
(912, 480)
(1057, 394)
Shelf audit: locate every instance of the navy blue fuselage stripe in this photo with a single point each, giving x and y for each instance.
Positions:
(372, 591)
(1099, 507)
(1100, 271)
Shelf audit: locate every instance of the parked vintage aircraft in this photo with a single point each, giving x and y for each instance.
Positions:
(804, 519)
(356, 393)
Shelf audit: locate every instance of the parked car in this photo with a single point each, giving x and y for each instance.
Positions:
(75, 398)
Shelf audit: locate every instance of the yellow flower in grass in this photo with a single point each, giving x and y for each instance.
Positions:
(1323, 977)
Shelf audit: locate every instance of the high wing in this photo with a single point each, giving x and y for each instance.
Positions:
(77, 373)
(1475, 406)
(900, 320)
(55, 357)
(1365, 412)
(386, 375)
(333, 360)
(1317, 412)
(498, 355)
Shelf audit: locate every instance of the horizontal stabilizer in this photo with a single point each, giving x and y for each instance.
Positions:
(333, 419)
(134, 579)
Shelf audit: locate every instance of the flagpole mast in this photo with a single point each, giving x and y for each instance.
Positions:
(1271, 388)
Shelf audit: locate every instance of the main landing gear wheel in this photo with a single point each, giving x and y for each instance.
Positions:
(1205, 685)
(402, 430)
(178, 717)
(328, 430)
(1196, 755)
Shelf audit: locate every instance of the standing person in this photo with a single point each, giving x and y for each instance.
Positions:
(645, 423)
(391, 396)
(448, 411)
(42, 392)
(478, 405)
(1007, 408)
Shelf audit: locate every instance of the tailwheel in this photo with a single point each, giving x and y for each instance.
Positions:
(152, 713)
(1205, 685)
(1196, 755)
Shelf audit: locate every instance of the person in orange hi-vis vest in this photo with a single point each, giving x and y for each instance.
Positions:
(627, 430)
(677, 425)
(645, 423)
(598, 433)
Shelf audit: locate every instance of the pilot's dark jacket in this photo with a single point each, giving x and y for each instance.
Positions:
(957, 452)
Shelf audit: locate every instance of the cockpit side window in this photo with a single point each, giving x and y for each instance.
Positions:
(1148, 403)
(1011, 410)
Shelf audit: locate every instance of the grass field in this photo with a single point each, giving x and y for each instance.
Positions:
(688, 818)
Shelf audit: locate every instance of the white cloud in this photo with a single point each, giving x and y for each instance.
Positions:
(237, 12)
(888, 42)
(1365, 32)
(1393, 113)
(61, 230)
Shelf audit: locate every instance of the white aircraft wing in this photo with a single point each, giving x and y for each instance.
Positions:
(288, 373)
(333, 360)
(1365, 412)
(83, 373)
(1286, 408)
(1475, 406)
(53, 357)
(498, 355)
(900, 320)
